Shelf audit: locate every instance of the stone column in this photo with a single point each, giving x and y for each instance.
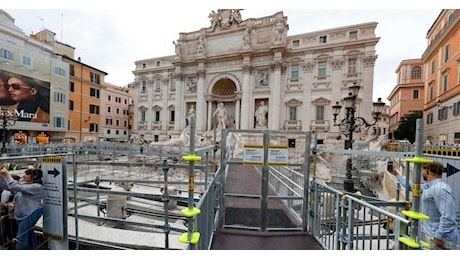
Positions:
(179, 123)
(246, 98)
(237, 113)
(165, 112)
(209, 114)
(274, 104)
(200, 105)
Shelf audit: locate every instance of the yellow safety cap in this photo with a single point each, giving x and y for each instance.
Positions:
(415, 215)
(190, 212)
(194, 239)
(409, 242)
(191, 157)
(418, 160)
(412, 244)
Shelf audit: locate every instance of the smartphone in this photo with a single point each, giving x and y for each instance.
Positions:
(390, 166)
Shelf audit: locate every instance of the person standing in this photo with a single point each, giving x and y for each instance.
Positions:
(438, 203)
(9, 227)
(28, 209)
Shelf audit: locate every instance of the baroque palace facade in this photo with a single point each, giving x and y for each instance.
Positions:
(242, 63)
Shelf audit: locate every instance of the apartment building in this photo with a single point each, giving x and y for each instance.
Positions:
(242, 63)
(71, 92)
(441, 62)
(408, 94)
(28, 62)
(115, 102)
(86, 87)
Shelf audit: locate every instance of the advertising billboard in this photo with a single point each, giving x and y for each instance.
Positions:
(26, 98)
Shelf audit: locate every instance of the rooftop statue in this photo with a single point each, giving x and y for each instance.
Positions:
(224, 18)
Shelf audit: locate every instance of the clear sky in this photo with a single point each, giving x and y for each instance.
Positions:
(112, 37)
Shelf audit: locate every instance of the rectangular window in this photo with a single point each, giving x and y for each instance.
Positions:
(432, 66)
(156, 138)
(429, 119)
(58, 122)
(321, 69)
(6, 55)
(295, 43)
(353, 36)
(442, 113)
(294, 72)
(446, 53)
(59, 71)
(144, 86)
(322, 39)
(456, 108)
(415, 94)
(93, 109)
(95, 78)
(157, 116)
(320, 112)
(445, 82)
(94, 92)
(117, 122)
(173, 85)
(27, 61)
(109, 98)
(108, 121)
(93, 127)
(172, 115)
(352, 65)
(72, 70)
(143, 116)
(109, 109)
(71, 105)
(72, 86)
(59, 97)
(293, 113)
(431, 91)
(157, 84)
(458, 69)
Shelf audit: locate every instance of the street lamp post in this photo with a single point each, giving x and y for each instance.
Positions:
(351, 122)
(7, 120)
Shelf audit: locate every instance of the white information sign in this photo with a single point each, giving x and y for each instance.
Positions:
(253, 155)
(53, 210)
(278, 155)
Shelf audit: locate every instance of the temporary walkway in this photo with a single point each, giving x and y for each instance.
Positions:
(243, 211)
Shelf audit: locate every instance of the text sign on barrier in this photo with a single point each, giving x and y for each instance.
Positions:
(278, 155)
(253, 155)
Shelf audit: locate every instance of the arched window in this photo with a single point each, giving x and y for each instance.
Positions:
(416, 73)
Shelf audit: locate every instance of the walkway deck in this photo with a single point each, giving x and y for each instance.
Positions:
(246, 212)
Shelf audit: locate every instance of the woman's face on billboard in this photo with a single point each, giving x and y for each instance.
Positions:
(19, 90)
(4, 93)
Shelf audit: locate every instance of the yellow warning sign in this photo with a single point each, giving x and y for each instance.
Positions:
(416, 191)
